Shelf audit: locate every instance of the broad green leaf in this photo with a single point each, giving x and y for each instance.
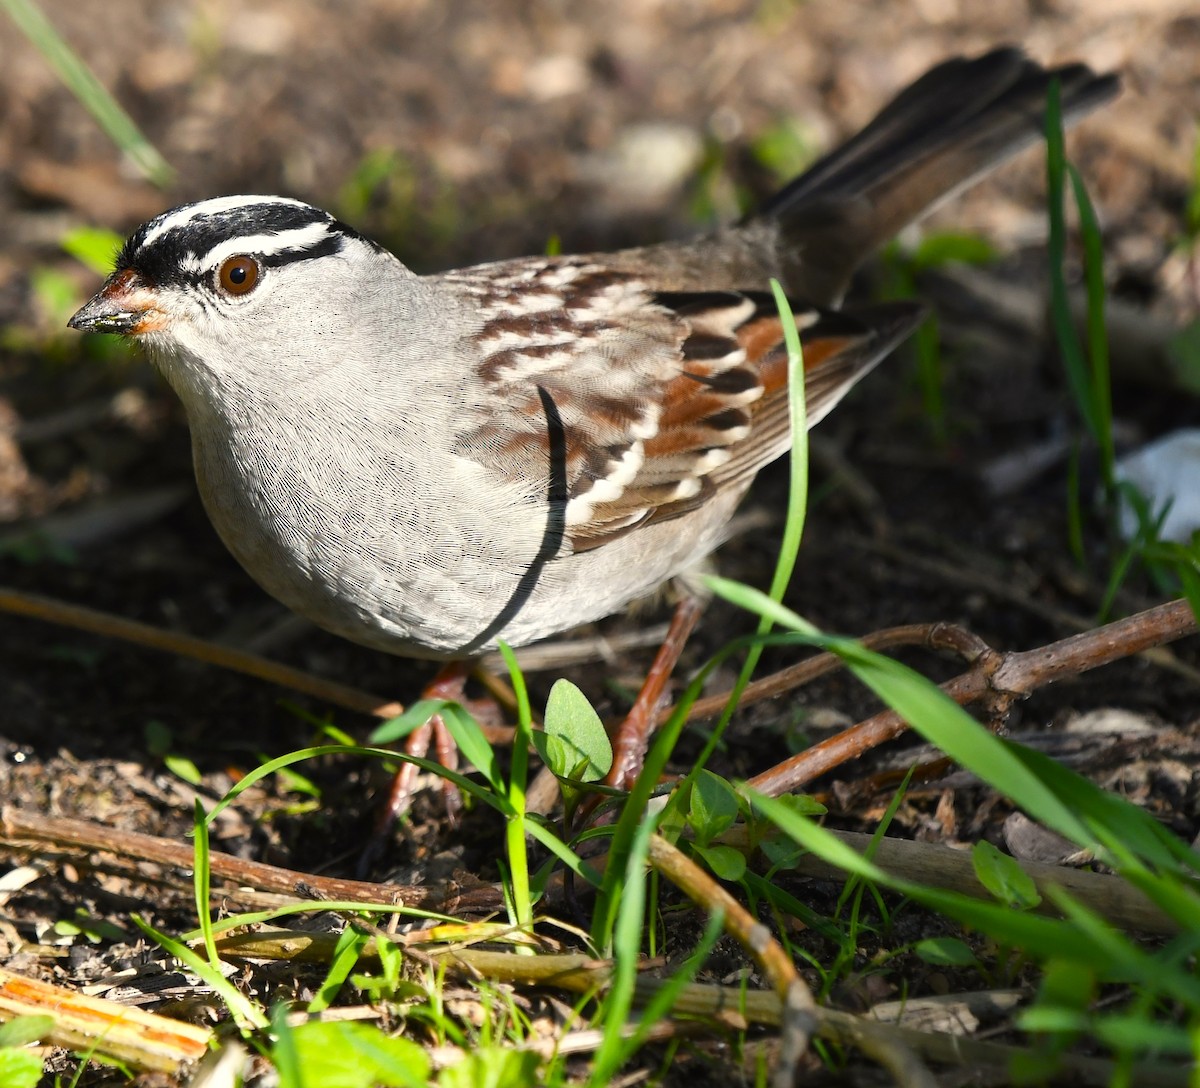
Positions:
(1003, 877)
(946, 247)
(24, 1030)
(56, 293)
(492, 1067)
(183, 768)
(473, 744)
(725, 862)
(19, 1068)
(463, 728)
(93, 247)
(946, 952)
(414, 717)
(714, 806)
(573, 734)
(344, 1054)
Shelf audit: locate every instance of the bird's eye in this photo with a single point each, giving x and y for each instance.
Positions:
(238, 275)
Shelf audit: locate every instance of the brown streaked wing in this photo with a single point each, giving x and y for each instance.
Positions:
(721, 424)
(574, 362)
(624, 405)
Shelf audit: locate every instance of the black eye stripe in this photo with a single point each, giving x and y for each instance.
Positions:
(326, 247)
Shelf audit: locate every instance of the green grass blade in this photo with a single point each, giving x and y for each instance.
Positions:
(285, 1055)
(245, 1012)
(605, 915)
(1060, 307)
(480, 792)
(317, 906)
(80, 81)
(1099, 384)
(1046, 938)
(350, 944)
(202, 881)
(515, 825)
(627, 946)
(793, 529)
(928, 710)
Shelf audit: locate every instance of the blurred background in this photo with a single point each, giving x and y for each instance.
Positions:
(467, 130)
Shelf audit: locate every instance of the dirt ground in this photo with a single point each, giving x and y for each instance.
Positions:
(504, 124)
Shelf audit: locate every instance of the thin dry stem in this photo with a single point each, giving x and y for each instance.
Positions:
(998, 678)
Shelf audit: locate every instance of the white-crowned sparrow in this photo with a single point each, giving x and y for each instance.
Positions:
(427, 465)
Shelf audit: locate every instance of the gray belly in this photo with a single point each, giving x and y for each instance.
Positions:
(436, 576)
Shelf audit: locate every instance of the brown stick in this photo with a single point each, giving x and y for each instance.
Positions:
(1001, 678)
(934, 636)
(18, 827)
(145, 1040)
(49, 610)
(733, 1004)
(799, 1008)
(632, 735)
(107, 625)
(155, 638)
(936, 865)
(974, 579)
(1019, 674)
(1016, 675)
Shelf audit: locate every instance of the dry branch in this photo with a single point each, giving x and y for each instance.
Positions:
(999, 679)
(142, 1039)
(19, 828)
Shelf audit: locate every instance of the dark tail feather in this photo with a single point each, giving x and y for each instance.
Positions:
(954, 124)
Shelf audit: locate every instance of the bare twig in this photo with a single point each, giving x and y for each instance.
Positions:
(799, 1017)
(18, 828)
(999, 678)
(937, 866)
(155, 638)
(971, 577)
(105, 624)
(934, 636)
(142, 1039)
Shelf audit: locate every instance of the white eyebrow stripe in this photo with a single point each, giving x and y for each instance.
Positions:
(266, 245)
(181, 216)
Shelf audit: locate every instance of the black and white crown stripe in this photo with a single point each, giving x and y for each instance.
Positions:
(185, 245)
(177, 219)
